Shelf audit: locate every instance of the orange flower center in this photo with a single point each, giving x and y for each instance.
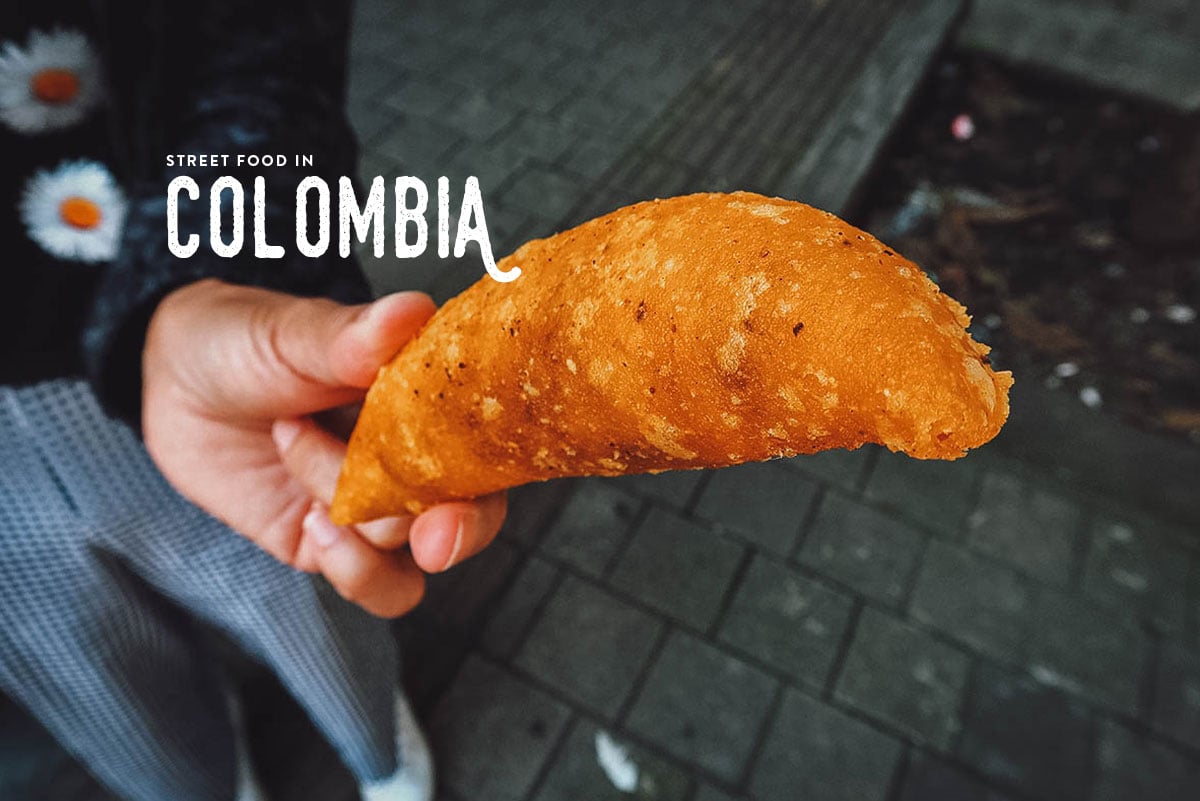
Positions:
(55, 85)
(79, 212)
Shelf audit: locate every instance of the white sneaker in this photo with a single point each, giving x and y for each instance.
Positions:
(413, 779)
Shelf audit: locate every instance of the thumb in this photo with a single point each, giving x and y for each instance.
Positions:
(245, 353)
(376, 335)
(328, 346)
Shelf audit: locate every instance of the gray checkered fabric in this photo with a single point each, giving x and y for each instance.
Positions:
(105, 571)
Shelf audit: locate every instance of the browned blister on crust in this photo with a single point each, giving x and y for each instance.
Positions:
(697, 331)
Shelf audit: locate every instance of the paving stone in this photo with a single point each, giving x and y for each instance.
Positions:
(762, 503)
(1085, 649)
(734, 157)
(369, 121)
(1031, 528)
(576, 774)
(864, 548)
(514, 613)
(589, 645)
(1132, 566)
(492, 165)
(419, 146)
(1027, 736)
(1177, 693)
(816, 753)
(933, 494)
(530, 508)
(536, 91)
(546, 138)
(1131, 766)
(421, 96)
(369, 76)
(1100, 45)
(605, 112)
(647, 94)
(587, 75)
(477, 114)
(787, 621)
(904, 678)
(374, 39)
(592, 526)
(542, 192)
(493, 732)
(984, 605)
(461, 595)
(702, 706)
(930, 779)
(678, 567)
(707, 792)
(413, 40)
(674, 487)
(658, 176)
(632, 48)
(591, 156)
(480, 75)
(840, 467)
(582, 39)
(523, 48)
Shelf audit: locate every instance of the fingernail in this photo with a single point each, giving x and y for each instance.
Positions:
(458, 543)
(322, 530)
(284, 432)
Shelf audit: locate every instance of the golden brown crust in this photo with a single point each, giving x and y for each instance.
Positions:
(697, 331)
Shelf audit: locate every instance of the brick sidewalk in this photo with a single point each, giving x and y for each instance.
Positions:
(854, 625)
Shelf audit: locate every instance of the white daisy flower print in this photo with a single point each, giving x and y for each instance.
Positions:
(75, 211)
(51, 83)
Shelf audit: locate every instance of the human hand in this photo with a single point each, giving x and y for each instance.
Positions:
(230, 377)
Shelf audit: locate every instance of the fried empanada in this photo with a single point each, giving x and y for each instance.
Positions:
(692, 332)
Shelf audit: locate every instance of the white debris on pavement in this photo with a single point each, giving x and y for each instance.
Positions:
(1066, 369)
(1090, 396)
(617, 764)
(1179, 313)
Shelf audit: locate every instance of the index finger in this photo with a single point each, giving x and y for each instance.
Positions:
(313, 457)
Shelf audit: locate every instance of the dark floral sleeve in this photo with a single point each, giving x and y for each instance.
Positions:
(220, 78)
